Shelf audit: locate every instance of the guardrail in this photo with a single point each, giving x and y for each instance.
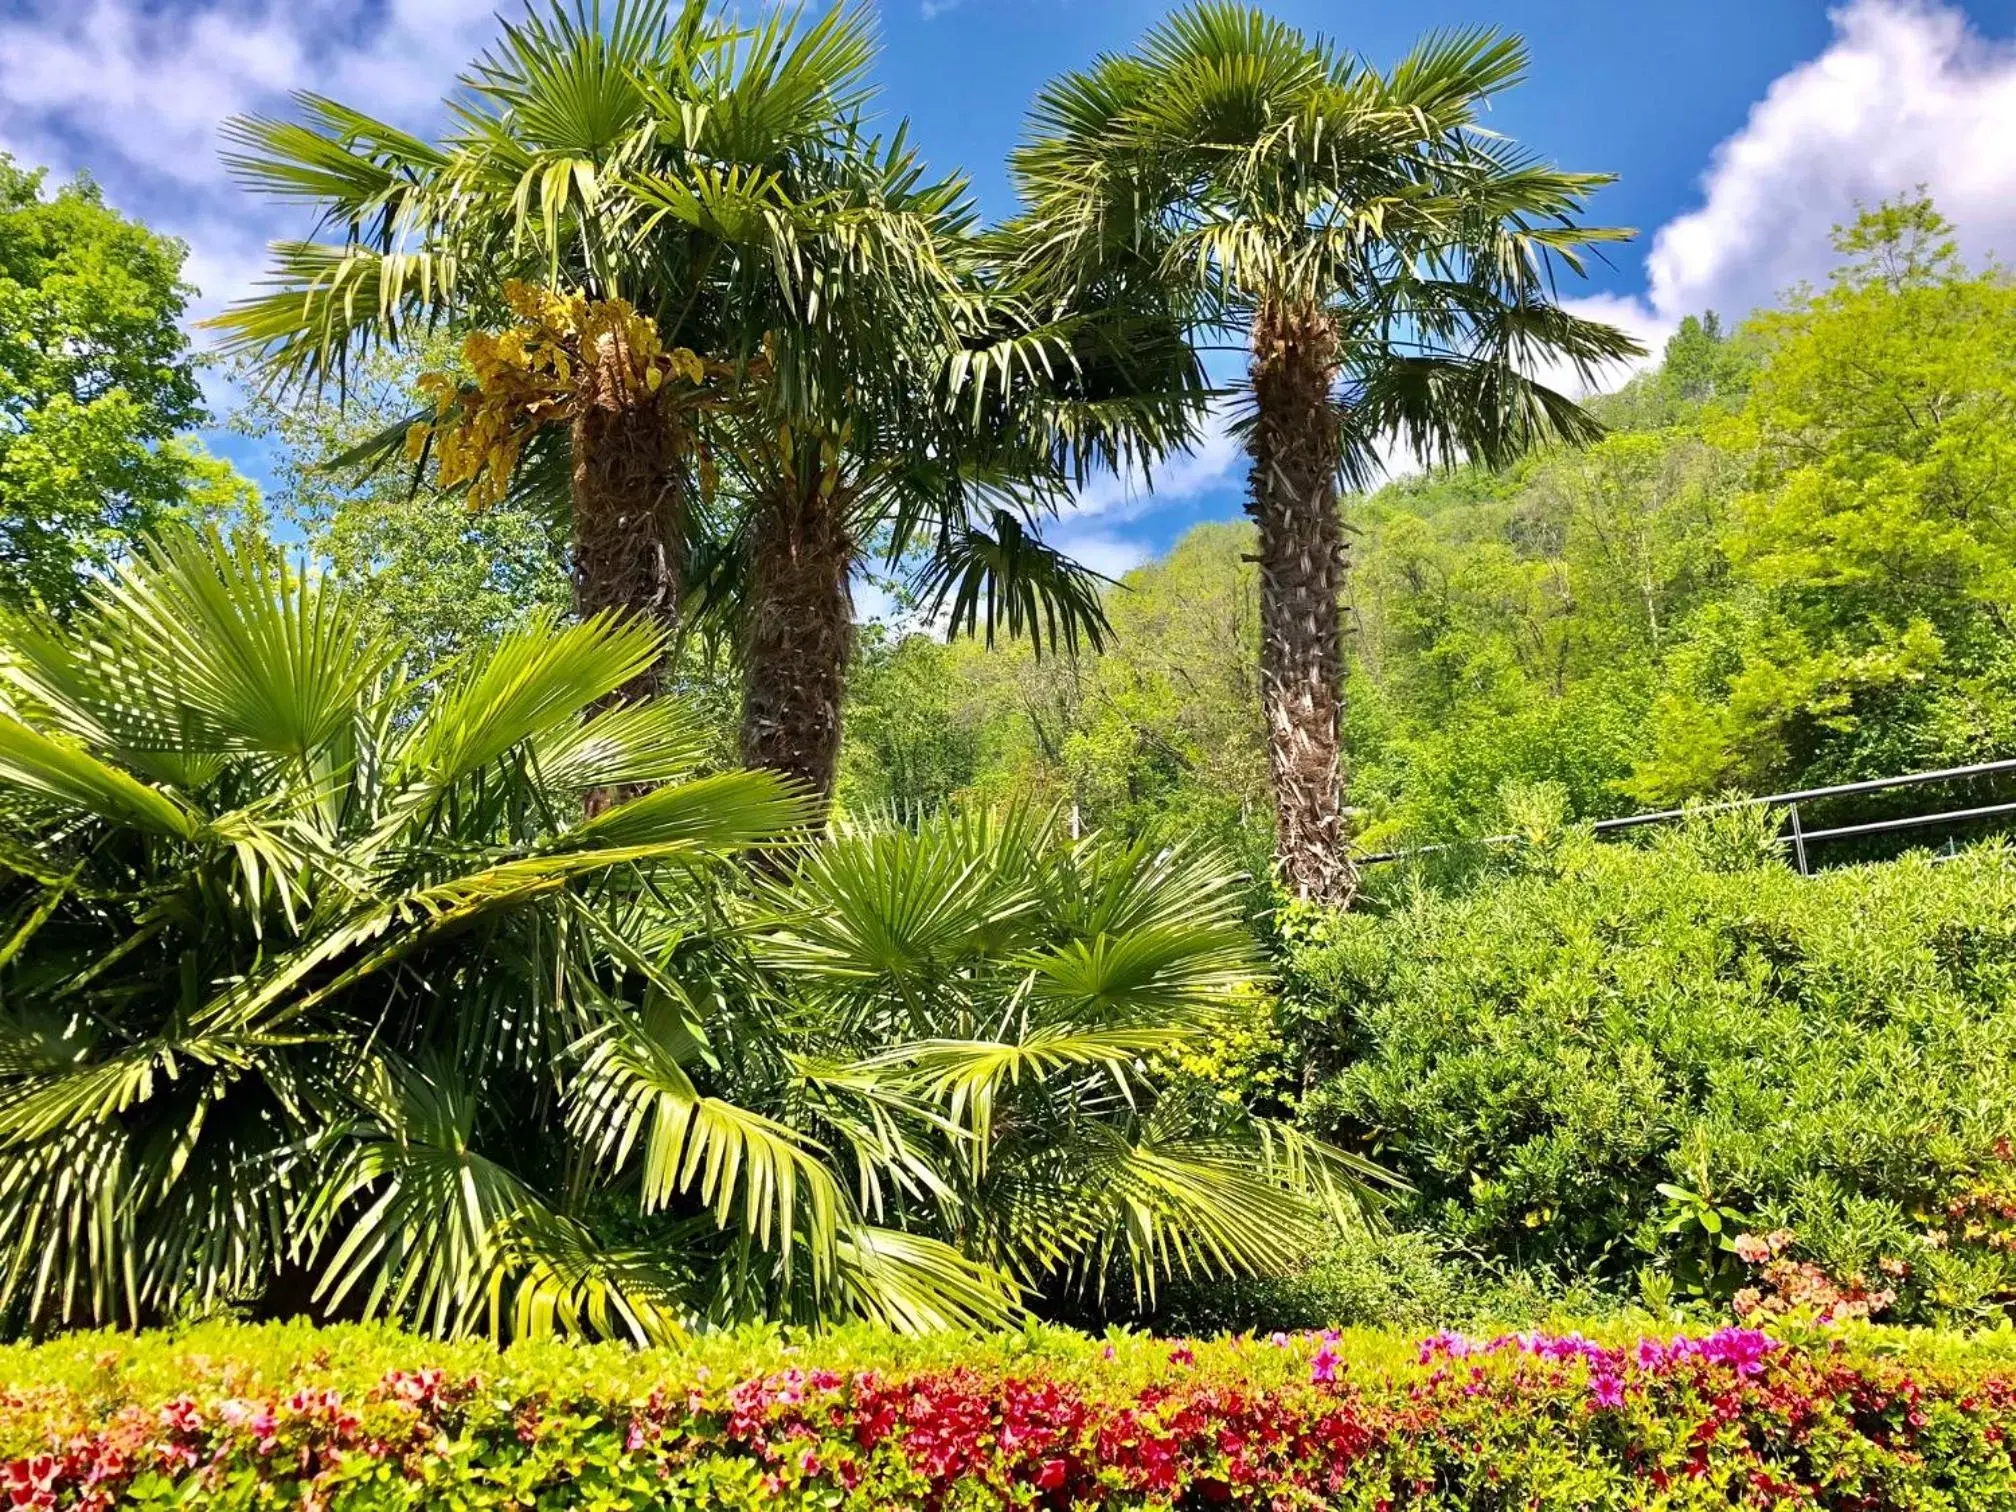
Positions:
(1797, 837)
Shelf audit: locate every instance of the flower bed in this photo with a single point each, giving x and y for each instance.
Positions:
(366, 1418)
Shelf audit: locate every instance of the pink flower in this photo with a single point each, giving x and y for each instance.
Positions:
(1181, 1355)
(1323, 1368)
(1449, 1345)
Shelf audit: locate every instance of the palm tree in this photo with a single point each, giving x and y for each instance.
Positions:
(1388, 266)
(683, 262)
(613, 213)
(320, 989)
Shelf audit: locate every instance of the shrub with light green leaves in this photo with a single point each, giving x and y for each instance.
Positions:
(1617, 1059)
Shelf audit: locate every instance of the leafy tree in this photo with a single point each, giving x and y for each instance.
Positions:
(96, 390)
(912, 745)
(1158, 731)
(1389, 266)
(1872, 555)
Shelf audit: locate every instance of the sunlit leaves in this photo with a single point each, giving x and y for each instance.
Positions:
(290, 991)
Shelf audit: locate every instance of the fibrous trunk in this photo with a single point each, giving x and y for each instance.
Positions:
(798, 636)
(628, 498)
(1295, 452)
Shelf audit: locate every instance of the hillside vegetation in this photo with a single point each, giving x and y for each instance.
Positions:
(1789, 563)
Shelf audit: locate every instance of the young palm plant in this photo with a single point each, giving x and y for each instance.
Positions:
(1387, 263)
(314, 973)
(1030, 1002)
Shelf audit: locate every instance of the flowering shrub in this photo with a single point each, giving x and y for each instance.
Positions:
(363, 1418)
(1789, 1288)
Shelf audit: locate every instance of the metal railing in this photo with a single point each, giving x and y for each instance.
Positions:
(1798, 837)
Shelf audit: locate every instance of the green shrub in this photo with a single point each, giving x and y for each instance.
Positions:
(1380, 1278)
(1618, 1057)
(363, 1418)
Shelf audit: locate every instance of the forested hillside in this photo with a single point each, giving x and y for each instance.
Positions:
(1788, 563)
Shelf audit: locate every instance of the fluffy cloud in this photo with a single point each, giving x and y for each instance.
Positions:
(1104, 551)
(136, 93)
(1906, 94)
(1126, 496)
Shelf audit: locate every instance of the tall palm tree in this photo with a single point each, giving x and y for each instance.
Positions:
(637, 165)
(1388, 266)
(938, 429)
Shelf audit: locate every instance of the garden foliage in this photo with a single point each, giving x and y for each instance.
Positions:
(1613, 1056)
(342, 981)
(355, 1419)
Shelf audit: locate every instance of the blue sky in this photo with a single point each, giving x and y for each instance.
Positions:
(1740, 129)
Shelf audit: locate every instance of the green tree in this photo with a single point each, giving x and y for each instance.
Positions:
(1389, 266)
(1873, 556)
(97, 391)
(1156, 732)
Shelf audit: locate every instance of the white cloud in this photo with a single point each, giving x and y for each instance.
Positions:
(1203, 469)
(135, 95)
(1907, 93)
(1104, 551)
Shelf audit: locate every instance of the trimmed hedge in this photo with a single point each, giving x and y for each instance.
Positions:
(226, 1416)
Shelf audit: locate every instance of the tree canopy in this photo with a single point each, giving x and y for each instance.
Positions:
(97, 390)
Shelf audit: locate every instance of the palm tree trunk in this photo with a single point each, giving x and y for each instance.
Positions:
(1295, 451)
(798, 638)
(629, 506)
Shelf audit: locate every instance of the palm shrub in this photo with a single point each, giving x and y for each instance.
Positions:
(326, 985)
(307, 950)
(1032, 1001)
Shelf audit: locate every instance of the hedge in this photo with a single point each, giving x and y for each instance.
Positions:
(227, 1416)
